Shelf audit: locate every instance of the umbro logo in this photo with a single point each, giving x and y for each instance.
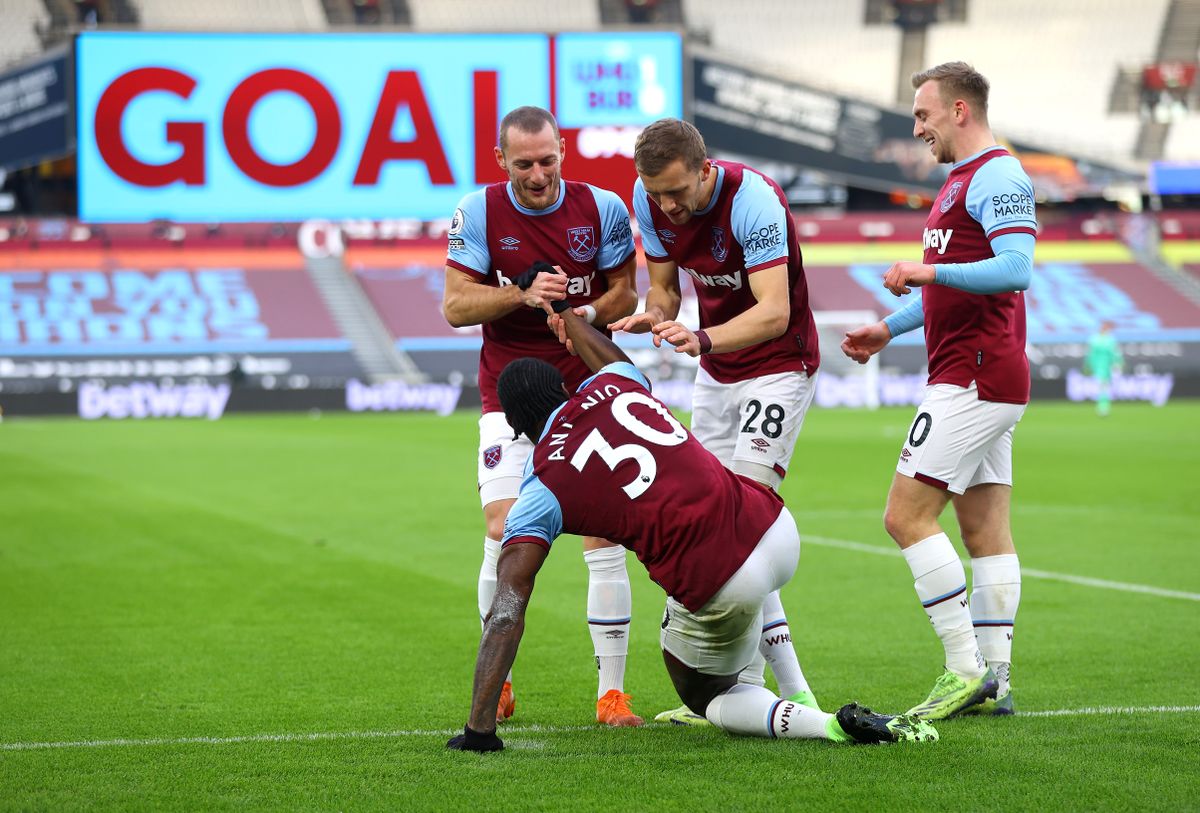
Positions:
(667, 236)
(510, 244)
(614, 634)
(760, 444)
(905, 454)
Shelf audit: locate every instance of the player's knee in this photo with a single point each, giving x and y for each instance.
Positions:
(694, 688)
(894, 521)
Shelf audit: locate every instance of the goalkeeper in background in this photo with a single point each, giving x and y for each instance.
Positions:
(1102, 360)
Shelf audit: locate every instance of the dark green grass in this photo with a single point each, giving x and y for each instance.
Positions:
(284, 575)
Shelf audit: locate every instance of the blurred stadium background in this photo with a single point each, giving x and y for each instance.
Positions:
(239, 206)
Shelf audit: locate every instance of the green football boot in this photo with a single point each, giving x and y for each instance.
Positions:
(806, 698)
(952, 695)
(855, 723)
(681, 716)
(1001, 706)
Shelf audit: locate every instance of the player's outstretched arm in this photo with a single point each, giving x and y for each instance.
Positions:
(596, 349)
(502, 631)
(467, 301)
(662, 300)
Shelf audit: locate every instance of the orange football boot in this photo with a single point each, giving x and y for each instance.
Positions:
(613, 709)
(508, 703)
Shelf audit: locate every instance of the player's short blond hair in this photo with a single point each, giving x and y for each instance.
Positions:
(957, 80)
(528, 119)
(666, 141)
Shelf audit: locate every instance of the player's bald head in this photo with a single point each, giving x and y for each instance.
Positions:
(957, 80)
(529, 390)
(527, 119)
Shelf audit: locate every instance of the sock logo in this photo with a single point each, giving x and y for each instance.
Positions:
(785, 717)
(614, 634)
(775, 640)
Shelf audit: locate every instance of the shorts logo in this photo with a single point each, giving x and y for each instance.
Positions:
(492, 455)
(720, 247)
(760, 445)
(510, 244)
(905, 454)
(581, 243)
(951, 196)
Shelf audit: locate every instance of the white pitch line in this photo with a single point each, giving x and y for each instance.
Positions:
(251, 738)
(506, 731)
(1109, 710)
(1086, 581)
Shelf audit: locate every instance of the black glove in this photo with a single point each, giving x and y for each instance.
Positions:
(471, 740)
(526, 277)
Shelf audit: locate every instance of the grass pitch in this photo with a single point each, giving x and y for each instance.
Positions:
(279, 613)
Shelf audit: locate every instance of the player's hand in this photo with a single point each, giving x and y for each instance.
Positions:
(683, 339)
(559, 328)
(471, 740)
(541, 283)
(636, 323)
(902, 277)
(863, 342)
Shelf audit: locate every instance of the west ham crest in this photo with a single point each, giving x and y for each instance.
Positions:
(720, 248)
(951, 196)
(581, 243)
(492, 455)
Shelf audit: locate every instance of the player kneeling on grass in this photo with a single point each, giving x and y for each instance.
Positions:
(612, 461)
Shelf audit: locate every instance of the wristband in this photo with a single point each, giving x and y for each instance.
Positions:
(560, 305)
(589, 313)
(705, 342)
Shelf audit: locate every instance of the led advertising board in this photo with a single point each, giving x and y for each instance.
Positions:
(230, 127)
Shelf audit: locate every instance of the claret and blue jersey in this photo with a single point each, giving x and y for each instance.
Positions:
(613, 462)
(979, 237)
(746, 227)
(493, 238)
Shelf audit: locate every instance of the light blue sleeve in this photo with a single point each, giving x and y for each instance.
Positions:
(621, 368)
(651, 244)
(1001, 197)
(759, 222)
(535, 513)
(467, 238)
(910, 317)
(617, 244)
(1010, 270)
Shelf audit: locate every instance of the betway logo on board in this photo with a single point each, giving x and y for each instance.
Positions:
(396, 396)
(149, 400)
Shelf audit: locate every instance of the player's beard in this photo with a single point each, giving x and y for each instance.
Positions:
(544, 201)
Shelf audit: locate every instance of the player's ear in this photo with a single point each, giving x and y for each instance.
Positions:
(500, 159)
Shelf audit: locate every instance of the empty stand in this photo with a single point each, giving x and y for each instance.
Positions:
(233, 15)
(821, 42)
(19, 29)
(529, 15)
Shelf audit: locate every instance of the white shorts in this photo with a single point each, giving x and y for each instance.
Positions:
(753, 421)
(721, 637)
(501, 459)
(958, 441)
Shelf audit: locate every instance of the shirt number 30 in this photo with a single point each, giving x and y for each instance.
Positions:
(596, 443)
